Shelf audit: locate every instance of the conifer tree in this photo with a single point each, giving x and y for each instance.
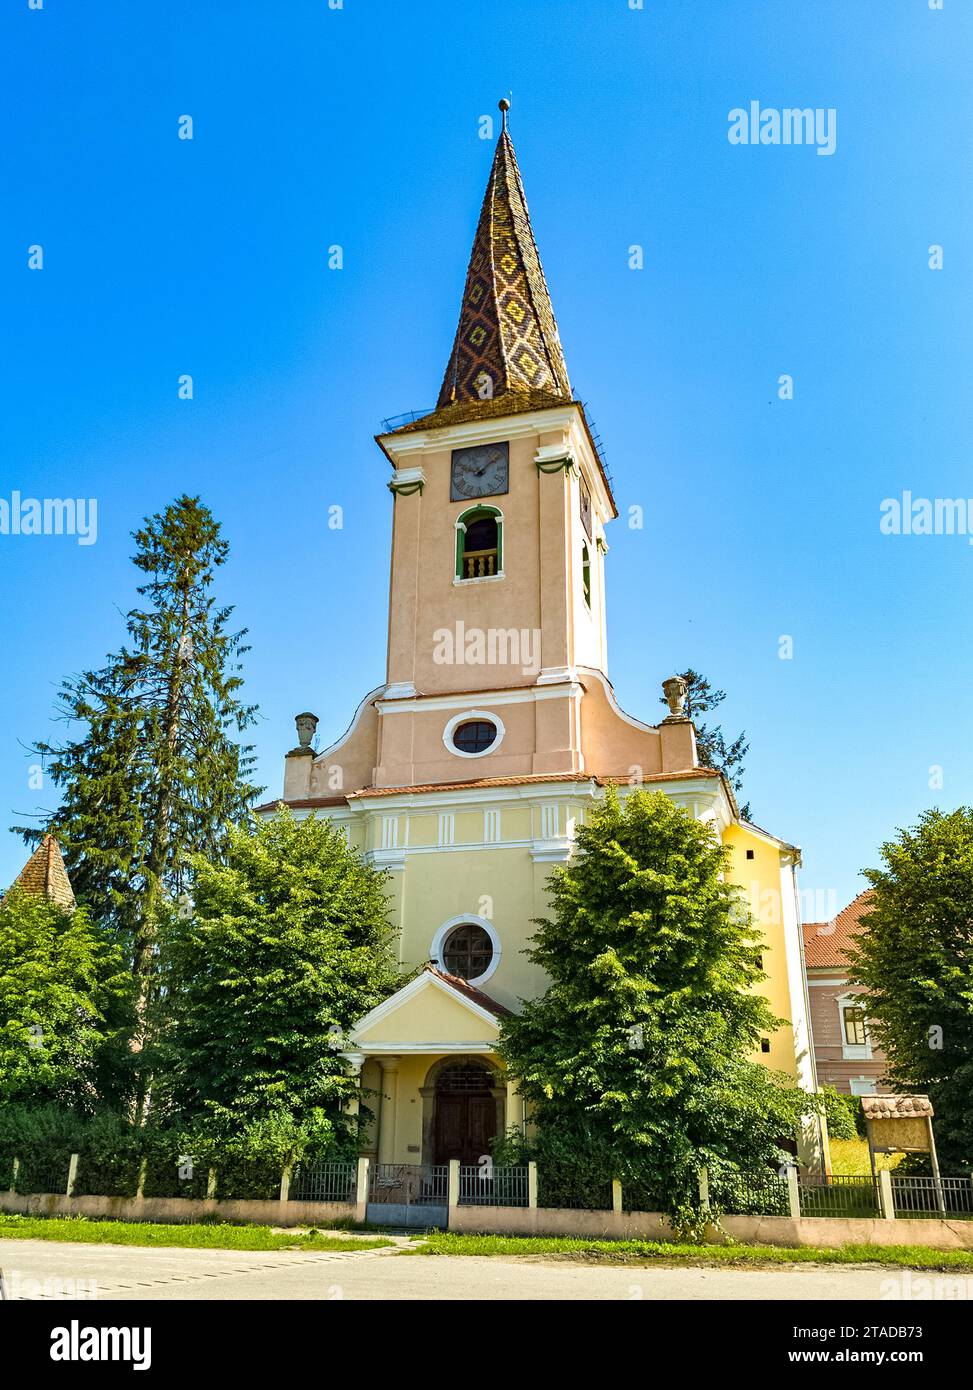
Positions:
(637, 1060)
(155, 771)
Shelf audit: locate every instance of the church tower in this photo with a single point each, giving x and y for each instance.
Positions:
(466, 772)
(501, 498)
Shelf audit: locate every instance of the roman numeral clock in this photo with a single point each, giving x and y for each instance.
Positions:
(481, 470)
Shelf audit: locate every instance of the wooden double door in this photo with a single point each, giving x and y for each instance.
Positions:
(466, 1117)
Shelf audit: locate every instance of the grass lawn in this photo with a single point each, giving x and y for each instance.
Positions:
(204, 1236)
(850, 1156)
(644, 1252)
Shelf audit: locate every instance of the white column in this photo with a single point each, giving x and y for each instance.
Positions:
(387, 1109)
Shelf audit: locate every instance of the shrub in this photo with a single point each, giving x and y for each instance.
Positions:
(840, 1114)
(109, 1155)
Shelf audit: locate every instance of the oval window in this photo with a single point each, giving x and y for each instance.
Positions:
(474, 736)
(467, 952)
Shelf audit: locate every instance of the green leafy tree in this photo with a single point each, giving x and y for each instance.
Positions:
(711, 742)
(286, 945)
(635, 1058)
(65, 998)
(156, 772)
(915, 958)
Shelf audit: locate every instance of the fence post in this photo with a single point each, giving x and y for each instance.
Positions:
(793, 1192)
(704, 1188)
(361, 1190)
(885, 1195)
(452, 1191)
(211, 1184)
(72, 1174)
(143, 1173)
(532, 1185)
(616, 1195)
(285, 1182)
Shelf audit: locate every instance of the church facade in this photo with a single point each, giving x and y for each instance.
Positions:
(466, 772)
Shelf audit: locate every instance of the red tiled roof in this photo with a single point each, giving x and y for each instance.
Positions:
(476, 996)
(827, 943)
(524, 780)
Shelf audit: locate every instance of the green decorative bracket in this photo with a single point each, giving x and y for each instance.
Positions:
(555, 465)
(406, 489)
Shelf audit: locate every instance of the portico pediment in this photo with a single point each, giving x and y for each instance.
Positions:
(433, 1012)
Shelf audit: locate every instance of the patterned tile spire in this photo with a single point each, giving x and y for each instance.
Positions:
(507, 339)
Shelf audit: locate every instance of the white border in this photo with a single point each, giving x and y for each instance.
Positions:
(467, 919)
(464, 718)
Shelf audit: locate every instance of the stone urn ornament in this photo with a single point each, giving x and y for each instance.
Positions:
(306, 727)
(674, 689)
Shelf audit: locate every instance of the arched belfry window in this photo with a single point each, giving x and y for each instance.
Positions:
(586, 573)
(479, 543)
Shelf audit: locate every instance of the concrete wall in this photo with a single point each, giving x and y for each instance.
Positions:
(180, 1209)
(758, 1230)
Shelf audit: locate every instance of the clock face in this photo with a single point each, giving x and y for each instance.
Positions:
(586, 508)
(482, 470)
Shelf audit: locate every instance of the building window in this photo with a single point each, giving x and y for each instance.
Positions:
(586, 574)
(479, 544)
(467, 952)
(467, 946)
(862, 1086)
(473, 733)
(854, 1026)
(475, 736)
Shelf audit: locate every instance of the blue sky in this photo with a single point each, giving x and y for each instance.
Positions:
(360, 126)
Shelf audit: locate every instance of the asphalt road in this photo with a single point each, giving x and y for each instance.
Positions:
(47, 1269)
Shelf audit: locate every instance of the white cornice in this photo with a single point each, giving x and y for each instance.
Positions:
(517, 696)
(519, 426)
(585, 790)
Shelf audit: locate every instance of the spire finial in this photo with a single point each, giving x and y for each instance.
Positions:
(504, 106)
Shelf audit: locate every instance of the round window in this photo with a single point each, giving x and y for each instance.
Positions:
(474, 736)
(467, 952)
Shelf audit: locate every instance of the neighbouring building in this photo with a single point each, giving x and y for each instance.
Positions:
(845, 1055)
(467, 770)
(44, 875)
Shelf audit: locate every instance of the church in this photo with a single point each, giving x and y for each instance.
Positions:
(467, 770)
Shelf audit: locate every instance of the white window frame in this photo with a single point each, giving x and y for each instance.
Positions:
(464, 718)
(853, 1052)
(466, 919)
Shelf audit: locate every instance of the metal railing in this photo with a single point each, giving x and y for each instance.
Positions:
(921, 1196)
(839, 1195)
(409, 1184)
(44, 1177)
(751, 1194)
(323, 1180)
(483, 1186)
(408, 417)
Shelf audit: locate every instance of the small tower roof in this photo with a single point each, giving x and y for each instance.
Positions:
(45, 876)
(507, 340)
